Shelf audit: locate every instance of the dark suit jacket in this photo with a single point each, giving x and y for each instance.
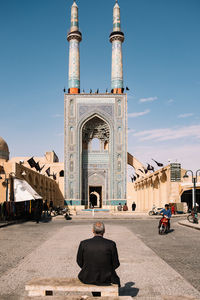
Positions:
(98, 259)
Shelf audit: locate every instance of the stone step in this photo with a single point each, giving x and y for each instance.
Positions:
(47, 286)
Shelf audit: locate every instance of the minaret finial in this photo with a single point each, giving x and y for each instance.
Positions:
(74, 3)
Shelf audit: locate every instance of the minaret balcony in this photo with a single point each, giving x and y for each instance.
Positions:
(117, 35)
(74, 35)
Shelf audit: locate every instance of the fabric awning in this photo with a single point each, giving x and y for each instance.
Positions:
(189, 184)
(23, 191)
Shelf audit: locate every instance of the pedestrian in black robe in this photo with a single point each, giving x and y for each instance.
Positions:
(133, 206)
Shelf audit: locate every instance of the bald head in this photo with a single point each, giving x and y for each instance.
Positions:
(99, 228)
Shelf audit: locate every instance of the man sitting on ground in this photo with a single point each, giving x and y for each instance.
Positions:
(125, 207)
(119, 207)
(98, 259)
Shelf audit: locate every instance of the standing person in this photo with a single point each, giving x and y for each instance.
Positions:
(98, 258)
(133, 206)
(92, 201)
(38, 210)
(51, 206)
(173, 209)
(45, 208)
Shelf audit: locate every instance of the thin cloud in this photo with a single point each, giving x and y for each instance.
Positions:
(187, 155)
(57, 116)
(170, 101)
(138, 114)
(59, 134)
(131, 130)
(149, 99)
(185, 115)
(164, 134)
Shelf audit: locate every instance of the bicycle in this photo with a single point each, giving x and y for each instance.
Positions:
(193, 217)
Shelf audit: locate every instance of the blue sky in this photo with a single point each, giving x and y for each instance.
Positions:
(161, 56)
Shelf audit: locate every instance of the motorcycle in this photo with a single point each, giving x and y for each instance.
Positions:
(57, 211)
(163, 225)
(66, 213)
(155, 211)
(62, 212)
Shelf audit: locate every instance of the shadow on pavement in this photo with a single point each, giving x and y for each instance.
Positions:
(46, 219)
(128, 290)
(171, 230)
(43, 219)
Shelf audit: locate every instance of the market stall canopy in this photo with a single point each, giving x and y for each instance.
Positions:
(23, 191)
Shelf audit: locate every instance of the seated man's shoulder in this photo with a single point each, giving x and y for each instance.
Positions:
(102, 240)
(86, 241)
(109, 241)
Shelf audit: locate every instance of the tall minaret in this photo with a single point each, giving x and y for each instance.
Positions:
(117, 38)
(74, 37)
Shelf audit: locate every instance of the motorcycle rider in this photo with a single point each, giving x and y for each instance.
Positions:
(166, 212)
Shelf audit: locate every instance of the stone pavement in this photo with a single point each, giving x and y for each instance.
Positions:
(143, 274)
(85, 215)
(115, 215)
(188, 224)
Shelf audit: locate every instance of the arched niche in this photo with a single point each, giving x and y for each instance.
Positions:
(95, 135)
(95, 126)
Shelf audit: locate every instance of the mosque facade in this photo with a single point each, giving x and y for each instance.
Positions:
(95, 129)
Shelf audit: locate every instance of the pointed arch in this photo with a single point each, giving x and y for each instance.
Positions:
(90, 116)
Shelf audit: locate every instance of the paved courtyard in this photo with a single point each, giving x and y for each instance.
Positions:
(152, 266)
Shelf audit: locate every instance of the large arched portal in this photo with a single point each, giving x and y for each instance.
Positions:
(187, 197)
(95, 161)
(95, 149)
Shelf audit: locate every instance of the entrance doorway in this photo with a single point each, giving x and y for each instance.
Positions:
(95, 196)
(187, 197)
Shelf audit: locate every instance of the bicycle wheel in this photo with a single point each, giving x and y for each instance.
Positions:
(190, 218)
